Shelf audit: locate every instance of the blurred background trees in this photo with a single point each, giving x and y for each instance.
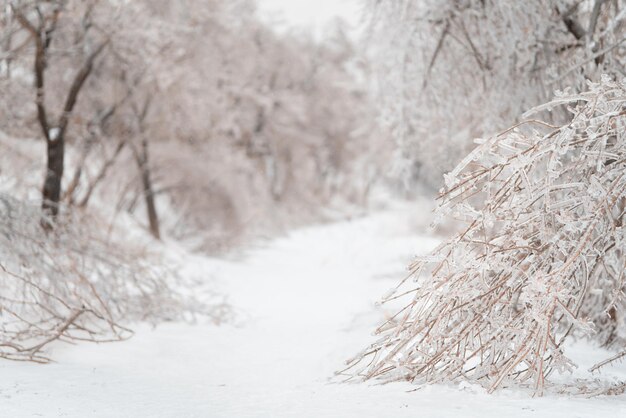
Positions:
(194, 117)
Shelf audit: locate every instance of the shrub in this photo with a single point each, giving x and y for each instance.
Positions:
(541, 260)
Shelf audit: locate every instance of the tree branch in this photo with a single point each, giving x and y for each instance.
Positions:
(41, 46)
(444, 33)
(77, 84)
(593, 21)
(573, 26)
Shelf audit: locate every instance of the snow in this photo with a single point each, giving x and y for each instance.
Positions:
(53, 134)
(305, 303)
(311, 13)
(313, 16)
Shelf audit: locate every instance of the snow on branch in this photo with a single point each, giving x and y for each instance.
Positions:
(73, 285)
(541, 260)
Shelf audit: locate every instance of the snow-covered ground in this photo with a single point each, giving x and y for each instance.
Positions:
(305, 304)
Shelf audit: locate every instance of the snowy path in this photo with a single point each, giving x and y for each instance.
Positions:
(308, 301)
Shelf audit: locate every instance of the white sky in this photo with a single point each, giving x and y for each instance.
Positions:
(309, 14)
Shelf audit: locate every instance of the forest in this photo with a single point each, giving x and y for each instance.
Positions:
(414, 207)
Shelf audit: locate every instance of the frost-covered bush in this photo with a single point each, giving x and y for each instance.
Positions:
(453, 70)
(72, 284)
(542, 258)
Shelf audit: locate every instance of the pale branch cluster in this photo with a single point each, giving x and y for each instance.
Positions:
(542, 258)
(72, 285)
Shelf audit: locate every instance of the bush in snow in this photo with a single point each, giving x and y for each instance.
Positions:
(541, 260)
(72, 284)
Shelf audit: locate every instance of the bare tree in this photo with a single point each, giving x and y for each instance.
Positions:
(41, 22)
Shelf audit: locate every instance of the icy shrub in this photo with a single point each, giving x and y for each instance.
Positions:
(72, 284)
(541, 260)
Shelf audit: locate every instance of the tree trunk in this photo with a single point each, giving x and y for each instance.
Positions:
(7, 43)
(148, 190)
(52, 184)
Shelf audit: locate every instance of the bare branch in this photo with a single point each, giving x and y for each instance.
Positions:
(77, 84)
(593, 20)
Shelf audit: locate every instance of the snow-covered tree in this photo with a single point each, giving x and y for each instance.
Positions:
(541, 260)
(454, 70)
(40, 24)
(245, 128)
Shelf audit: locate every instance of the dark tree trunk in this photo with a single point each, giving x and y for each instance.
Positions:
(142, 159)
(148, 190)
(7, 45)
(54, 174)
